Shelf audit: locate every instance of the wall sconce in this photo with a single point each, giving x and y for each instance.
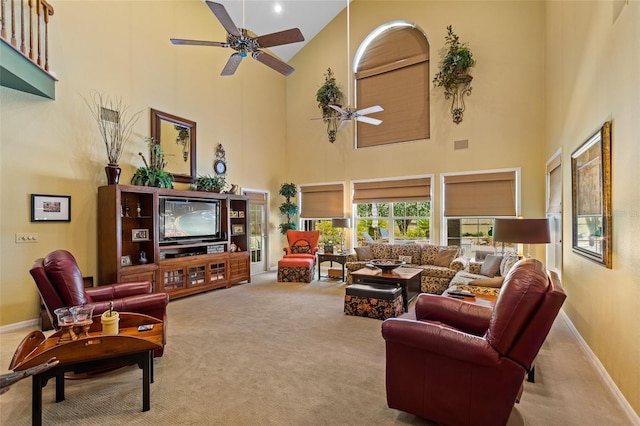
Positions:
(457, 96)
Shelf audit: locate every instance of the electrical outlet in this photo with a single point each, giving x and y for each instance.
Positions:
(27, 237)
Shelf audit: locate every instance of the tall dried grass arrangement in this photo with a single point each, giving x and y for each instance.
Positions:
(114, 124)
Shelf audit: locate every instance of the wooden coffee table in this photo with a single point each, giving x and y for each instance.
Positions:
(406, 278)
(87, 353)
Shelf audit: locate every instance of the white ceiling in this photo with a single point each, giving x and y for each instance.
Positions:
(311, 16)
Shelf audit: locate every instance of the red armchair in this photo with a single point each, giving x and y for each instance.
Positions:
(302, 244)
(464, 364)
(60, 284)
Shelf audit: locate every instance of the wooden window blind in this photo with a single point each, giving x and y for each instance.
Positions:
(481, 194)
(256, 197)
(394, 73)
(554, 204)
(322, 201)
(418, 189)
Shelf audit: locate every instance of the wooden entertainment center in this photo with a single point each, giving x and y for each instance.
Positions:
(131, 246)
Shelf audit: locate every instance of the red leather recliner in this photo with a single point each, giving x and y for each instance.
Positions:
(464, 364)
(60, 284)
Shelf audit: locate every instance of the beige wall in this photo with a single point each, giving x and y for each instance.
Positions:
(504, 119)
(593, 69)
(122, 48)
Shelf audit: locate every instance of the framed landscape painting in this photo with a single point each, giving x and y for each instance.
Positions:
(591, 197)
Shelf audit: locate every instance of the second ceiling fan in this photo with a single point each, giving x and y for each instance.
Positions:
(240, 40)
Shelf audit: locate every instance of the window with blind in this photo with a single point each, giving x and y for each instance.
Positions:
(393, 71)
(393, 210)
(471, 202)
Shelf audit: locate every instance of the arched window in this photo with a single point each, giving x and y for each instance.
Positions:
(392, 70)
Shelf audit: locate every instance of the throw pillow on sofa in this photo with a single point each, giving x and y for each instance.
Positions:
(364, 253)
(445, 256)
(491, 266)
(507, 263)
(495, 282)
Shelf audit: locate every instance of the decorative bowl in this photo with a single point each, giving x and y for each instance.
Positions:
(386, 264)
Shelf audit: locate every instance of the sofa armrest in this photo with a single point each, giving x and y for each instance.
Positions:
(440, 340)
(459, 263)
(116, 291)
(352, 257)
(464, 316)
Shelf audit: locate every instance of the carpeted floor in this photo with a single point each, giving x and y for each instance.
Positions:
(270, 353)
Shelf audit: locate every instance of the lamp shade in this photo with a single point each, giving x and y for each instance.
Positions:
(528, 231)
(341, 222)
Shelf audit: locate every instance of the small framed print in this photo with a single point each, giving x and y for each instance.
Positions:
(237, 229)
(139, 235)
(233, 214)
(125, 261)
(50, 208)
(241, 213)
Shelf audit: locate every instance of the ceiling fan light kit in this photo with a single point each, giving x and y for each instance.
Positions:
(240, 40)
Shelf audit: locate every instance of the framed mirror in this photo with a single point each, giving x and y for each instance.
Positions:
(177, 136)
(591, 197)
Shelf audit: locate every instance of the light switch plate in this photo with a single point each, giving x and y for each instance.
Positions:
(27, 237)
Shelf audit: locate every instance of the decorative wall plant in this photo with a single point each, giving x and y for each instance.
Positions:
(330, 93)
(453, 74)
(153, 173)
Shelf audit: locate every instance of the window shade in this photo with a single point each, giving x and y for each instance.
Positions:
(554, 204)
(394, 73)
(481, 194)
(322, 201)
(256, 197)
(418, 189)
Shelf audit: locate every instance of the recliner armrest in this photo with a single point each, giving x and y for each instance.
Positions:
(464, 316)
(440, 340)
(116, 291)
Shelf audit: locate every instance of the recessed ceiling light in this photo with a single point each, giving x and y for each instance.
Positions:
(277, 8)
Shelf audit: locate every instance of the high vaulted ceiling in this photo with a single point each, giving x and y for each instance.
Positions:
(311, 16)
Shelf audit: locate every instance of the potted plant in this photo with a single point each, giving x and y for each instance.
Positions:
(453, 74)
(115, 127)
(329, 93)
(455, 64)
(288, 208)
(153, 174)
(209, 183)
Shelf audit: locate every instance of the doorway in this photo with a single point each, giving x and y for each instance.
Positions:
(258, 236)
(554, 212)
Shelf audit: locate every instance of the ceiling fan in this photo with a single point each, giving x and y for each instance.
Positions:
(347, 113)
(245, 43)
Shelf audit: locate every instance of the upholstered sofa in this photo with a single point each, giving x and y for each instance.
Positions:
(439, 264)
(484, 277)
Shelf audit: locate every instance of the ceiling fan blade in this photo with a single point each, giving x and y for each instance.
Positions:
(232, 64)
(273, 62)
(224, 18)
(198, 42)
(292, 35)
(370, 110)
(343, 123)
(337, 108)
(369, 120)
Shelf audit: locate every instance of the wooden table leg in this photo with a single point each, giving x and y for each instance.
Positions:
(60, 387)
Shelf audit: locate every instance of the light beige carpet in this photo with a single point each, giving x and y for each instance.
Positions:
(270, 353)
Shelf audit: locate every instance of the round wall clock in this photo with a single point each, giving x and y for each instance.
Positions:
(220, 167)
(220, 163)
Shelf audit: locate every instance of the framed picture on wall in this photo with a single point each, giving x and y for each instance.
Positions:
(50, 208)
(591, 197)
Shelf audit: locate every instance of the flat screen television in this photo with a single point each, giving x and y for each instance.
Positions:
(189, 220)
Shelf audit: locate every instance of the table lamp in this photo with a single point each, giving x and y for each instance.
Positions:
(526, 231)
(341, 223)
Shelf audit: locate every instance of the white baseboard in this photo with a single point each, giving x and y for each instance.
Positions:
(20, 325)
(626, 407)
